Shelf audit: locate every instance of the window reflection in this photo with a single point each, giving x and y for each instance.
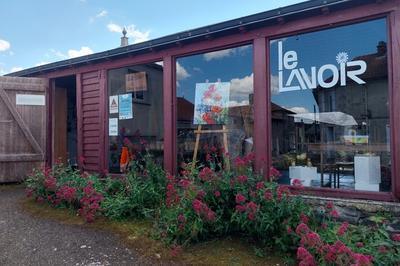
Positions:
(330, 118)
(135, 115)
(214, 97)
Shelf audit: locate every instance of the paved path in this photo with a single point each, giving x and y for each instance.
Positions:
(25, 240)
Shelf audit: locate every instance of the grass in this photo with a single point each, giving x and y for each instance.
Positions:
(136, 234)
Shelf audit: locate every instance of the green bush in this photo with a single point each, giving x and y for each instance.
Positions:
(138, 195)
(205, 204)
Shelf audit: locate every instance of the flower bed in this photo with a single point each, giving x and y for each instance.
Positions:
(203, 204)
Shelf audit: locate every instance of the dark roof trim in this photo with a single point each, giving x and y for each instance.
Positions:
(191, 35)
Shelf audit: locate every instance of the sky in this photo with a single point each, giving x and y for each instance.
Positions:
(34, 33)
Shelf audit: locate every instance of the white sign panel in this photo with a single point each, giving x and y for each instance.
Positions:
(113, 104)
(30, 99)
(113, 127)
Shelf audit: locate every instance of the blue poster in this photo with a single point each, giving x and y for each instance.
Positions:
(125, 106)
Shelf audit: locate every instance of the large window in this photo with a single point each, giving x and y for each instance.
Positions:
(135, 115)
(215, 106)
(330, 110)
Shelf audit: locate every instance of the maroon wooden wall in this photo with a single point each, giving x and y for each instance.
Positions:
(90, 104)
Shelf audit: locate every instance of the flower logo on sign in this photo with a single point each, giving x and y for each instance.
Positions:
(342, 58)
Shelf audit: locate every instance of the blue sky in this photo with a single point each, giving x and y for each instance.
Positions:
(44, 31)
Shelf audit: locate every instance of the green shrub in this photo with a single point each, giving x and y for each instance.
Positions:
(205, 203)
(138, 195)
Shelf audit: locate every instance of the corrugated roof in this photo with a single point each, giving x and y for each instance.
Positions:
(291, 12)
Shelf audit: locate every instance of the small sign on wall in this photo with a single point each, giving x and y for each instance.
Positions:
(113, 127)
(113, 104)
(30, 99)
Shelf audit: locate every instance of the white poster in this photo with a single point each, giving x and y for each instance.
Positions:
(113, 104)
(30, 99)
(113, 127)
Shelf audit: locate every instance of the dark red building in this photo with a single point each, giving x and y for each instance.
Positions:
(312, 89)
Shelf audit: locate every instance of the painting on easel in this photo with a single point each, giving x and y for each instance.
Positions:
(211, 108)
(211, 103)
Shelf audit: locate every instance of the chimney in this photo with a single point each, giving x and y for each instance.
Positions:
(124, 39)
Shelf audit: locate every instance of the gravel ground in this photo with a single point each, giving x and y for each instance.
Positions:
(25, 240)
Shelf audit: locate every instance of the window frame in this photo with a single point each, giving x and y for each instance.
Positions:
(394, 125)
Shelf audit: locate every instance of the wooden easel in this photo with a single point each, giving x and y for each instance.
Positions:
(200, 131)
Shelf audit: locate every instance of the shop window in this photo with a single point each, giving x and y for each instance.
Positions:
(215, 105)
(330, 107)
(135, 115)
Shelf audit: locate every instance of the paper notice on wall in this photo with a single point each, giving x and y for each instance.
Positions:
(30, 99)
(113, 104)
(136, 81)
(125, 106)
(113, 127)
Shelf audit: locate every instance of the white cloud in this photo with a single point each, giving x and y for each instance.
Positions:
(298, 110)
(181, 72)
(242, 85)
(101, 14)
(241, 88)
(132, 32)
(15, 69)
(2, 71)
(274, 85)
(57, 54)
(42, 63)
(76, 53)
(4, 45)
(114, 27)
(218, 54)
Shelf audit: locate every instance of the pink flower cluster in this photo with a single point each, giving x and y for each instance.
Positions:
(268, 195)
(50, 183)
(305, 257)
(171, 195)
(343, 228)
(203, 210)
(206, 174)
(244, 161)
(66, 193)
(250, 207)
(396, 237)
(337, 253)
(274, 173)
(90, 202)
(242, 179)
(181, 222)
(283, 191)
(184, 183)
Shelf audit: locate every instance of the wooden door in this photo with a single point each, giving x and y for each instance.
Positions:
(22, 126)
(60, 110)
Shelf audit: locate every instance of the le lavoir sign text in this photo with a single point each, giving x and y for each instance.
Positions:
(314, 77)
